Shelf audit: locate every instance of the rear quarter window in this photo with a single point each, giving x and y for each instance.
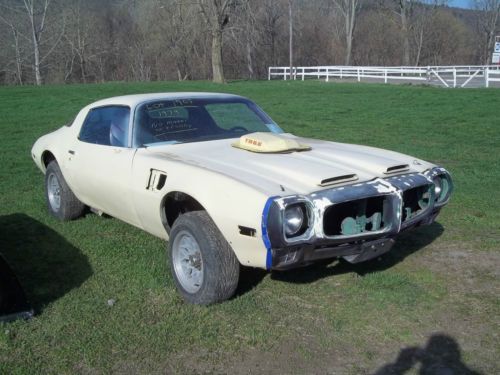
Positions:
(97, 127)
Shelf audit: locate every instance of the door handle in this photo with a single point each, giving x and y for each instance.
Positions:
(71, 152)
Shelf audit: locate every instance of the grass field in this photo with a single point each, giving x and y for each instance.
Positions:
(432, 303)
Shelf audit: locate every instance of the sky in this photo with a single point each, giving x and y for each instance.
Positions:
(460, 3)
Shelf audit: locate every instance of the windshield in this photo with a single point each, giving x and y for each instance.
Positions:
(195, 120)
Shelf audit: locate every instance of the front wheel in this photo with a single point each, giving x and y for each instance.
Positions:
(203, 265)
(61, 202)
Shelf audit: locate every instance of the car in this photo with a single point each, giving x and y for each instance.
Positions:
(218, 179)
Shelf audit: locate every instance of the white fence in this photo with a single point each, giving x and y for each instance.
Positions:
(447, 76)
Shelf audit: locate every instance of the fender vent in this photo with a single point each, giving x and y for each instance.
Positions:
(156, 180)
(338, 180)
(397, 168)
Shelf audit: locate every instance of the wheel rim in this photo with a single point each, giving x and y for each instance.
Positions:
(187, 261)
(54, 191)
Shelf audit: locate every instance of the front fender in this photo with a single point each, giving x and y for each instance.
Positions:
(229, 203)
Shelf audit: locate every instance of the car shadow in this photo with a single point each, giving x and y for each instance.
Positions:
(441, 355)
(407, 243)
(46, 265)
(249, 279)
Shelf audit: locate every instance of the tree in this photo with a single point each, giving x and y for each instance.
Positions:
(79, 38)
(18, 59)
(349, 10)
(405, 7)
(271, 15)
(36, 11)
(448, 41)
(216, 15)
(381, 39)
(488, 19)
(413, 16)
(422, 22)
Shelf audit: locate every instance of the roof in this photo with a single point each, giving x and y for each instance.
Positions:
(133, 100)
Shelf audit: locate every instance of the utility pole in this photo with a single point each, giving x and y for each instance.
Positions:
(290, 24)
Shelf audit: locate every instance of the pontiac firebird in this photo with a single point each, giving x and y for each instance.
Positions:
(220, 180)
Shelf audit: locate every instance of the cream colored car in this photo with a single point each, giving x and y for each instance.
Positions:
(214, 175)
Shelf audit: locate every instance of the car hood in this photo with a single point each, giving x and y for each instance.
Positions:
(324, 165)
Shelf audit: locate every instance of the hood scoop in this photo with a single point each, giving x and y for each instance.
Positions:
(338, 180)
(397, 168)
(269, 143)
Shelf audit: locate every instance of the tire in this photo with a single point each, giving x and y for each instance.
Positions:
(61, 202)
(195, 236)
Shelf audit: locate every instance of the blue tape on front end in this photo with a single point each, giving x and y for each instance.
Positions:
(265, 234)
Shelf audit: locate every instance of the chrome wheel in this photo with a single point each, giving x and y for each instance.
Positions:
(187, 261)
(54, 192)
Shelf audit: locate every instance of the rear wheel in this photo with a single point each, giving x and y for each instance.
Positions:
(203, 265)
(61, 202)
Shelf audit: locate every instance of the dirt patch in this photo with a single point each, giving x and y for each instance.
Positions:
(298, 355)
(450, 330)
(466, 270)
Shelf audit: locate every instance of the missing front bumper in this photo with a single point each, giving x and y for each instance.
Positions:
(355, 252)
(298, 256)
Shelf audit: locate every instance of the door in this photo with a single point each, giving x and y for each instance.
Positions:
(100, 162)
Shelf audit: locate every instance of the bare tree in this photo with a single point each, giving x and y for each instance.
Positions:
(216, 15)
(271, 15)
(422, 21)
(36, 11)
(405, 7)
(16, 35)
(448, 42)
(79, 39)
(244, 37)
(488, 19)
(349, 10)
(381, 39)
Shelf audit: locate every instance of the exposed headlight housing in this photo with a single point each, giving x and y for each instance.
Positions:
(295, 220)
(443, 185)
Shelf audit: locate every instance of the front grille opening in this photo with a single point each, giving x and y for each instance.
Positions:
(355, 217)
(415, 201)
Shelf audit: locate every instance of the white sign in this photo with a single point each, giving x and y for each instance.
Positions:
(497, 47)
(496, 58)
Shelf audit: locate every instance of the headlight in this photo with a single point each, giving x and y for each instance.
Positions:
(437, 187)
(295, 220)
(442, 186)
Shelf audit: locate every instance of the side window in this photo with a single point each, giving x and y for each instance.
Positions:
(106, 126)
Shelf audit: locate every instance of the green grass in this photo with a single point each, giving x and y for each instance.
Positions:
(332, 316)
